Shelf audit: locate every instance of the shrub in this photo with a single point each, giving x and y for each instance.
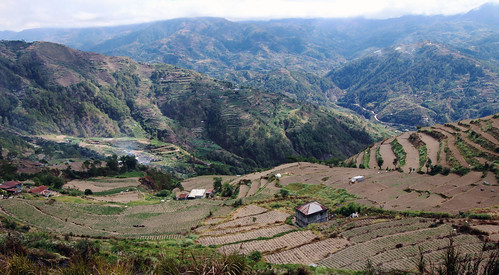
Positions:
(88, 192)
(255, 256)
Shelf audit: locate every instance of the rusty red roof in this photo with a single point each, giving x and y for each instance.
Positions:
(182, 195)
(38, 189)
(10, 184)
(311, 208)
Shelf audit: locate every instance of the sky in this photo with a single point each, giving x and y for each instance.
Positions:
(17, 15)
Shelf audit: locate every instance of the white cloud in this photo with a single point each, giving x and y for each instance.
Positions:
(22, 14)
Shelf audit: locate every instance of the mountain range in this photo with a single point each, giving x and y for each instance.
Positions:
(48, 88)
(306, 58)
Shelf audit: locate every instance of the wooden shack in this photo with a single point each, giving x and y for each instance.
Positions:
(312, 212)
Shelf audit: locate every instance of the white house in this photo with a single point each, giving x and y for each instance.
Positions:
(197, 194)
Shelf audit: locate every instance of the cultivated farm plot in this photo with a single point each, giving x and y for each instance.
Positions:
(350, 258)
(287, 241)
(309, 253)
(243, 190)
(122, 197)
(263, 219)
(102, 184)
(366, 233)
(110, 220)
(248, 210)
(249, 235)
(203, 182)
(230, 230)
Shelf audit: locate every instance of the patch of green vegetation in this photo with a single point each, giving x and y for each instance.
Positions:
(399, 152)
(131, 174)
(477, 138)
(422, 156)
(102, 209)
(325, 194)
(366, 158)
(75, 199)
(115, 191)
(379, 158)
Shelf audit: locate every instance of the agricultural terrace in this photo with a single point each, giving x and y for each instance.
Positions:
(392, 190)
(344, 243)
(78, 216)
(458, 147)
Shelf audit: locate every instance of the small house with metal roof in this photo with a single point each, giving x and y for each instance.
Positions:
(312, 212)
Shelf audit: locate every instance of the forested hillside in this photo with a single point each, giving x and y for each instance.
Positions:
(48, 88)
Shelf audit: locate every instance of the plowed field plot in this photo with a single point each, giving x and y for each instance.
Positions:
(230, 230)
(102, 184)
(287, 241)
(203, 182)
(254, 188)
(355, 256)
(211, 221)
(243, 190)
(434, 257)
(248, 210)
(366, 233)
(250, 235)
(260, 219)
(108, 220)
(309, 253)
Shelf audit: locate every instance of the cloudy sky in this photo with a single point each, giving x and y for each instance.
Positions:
(25, 14)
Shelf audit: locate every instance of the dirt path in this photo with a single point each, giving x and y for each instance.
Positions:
(432, 148)
(387, 154)
(451, 143)
(412, 158)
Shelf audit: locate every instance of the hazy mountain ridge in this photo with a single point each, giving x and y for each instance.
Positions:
(255, 53)
(51, 89)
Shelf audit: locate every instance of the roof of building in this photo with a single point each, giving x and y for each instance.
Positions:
(9, 184)
(182, 195)
(311, 208)
(38, 189)
(197, 193)
(209, 191)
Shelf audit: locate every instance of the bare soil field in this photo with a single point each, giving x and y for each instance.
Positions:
(248, 210)
(102, 184)
(123, 197)
(203, 182)
(388, 188)
(433, 149)
(263, 219)
(412, 158)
